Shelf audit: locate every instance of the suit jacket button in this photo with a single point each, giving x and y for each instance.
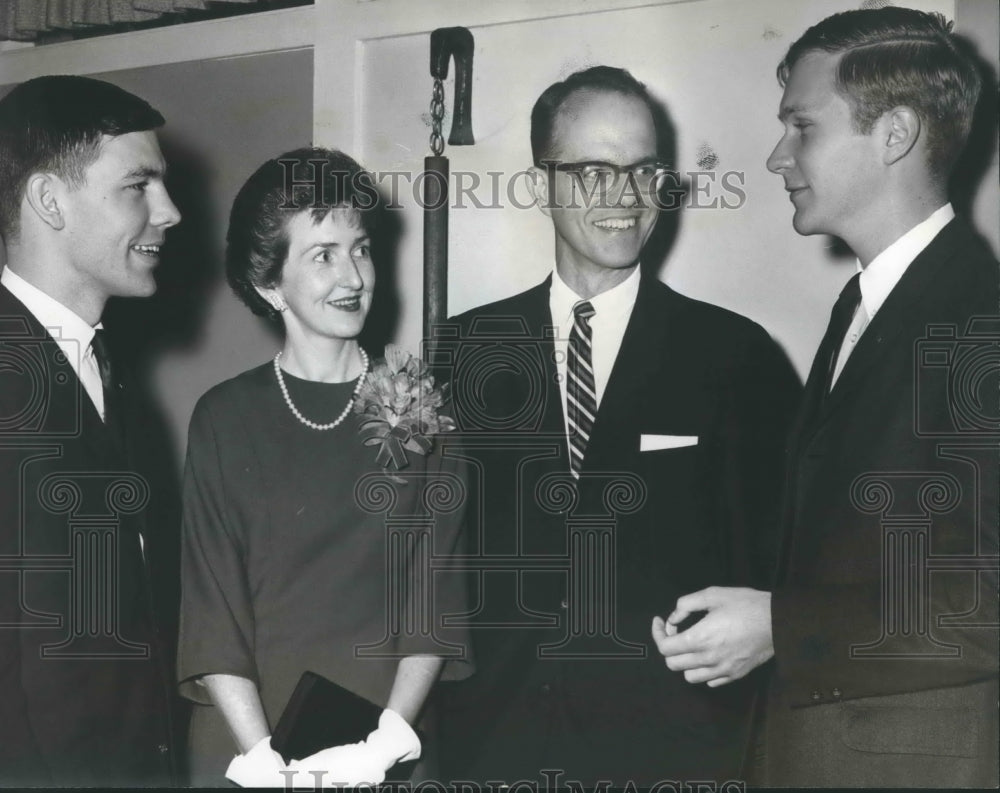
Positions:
(546, 688)
(816, 696)
(564, 604)
(836, 693)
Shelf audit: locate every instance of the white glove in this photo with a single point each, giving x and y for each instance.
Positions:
(349, 765)
(261, 766)
(394, 739)
(363, 763)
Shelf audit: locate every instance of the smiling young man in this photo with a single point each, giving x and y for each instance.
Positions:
(84, 681)
(882, 619)
(627, 441)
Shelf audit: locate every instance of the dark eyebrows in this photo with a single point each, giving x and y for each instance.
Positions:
(332, 244)
(146, 172)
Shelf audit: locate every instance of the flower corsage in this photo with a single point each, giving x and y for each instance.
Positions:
(399, 409)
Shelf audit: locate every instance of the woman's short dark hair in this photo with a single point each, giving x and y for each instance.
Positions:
(898, 56)
(310, 180)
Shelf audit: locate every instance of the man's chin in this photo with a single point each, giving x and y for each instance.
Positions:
(138, 288)
(619, 263)
(803, 226)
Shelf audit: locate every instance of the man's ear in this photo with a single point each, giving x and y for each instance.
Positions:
(538, 185)
(43, 194)
(901, 131)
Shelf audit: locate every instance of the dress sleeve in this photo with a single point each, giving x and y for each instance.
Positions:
(445, 588)
(217, 620)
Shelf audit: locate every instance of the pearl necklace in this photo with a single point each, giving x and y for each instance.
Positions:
(344, 412)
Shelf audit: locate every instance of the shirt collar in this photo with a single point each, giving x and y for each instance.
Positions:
(59, 321)
(884, 271)
(616, 301)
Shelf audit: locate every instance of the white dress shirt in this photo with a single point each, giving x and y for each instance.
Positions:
(612, 311)
(882, 274)
(71, 333)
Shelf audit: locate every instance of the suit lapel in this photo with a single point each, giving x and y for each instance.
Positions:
(900, 311)
(629, 376)
(64, 402)
(539, 314)
(525, 324)
(812, 396)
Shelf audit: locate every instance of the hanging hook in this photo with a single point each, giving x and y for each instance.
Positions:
(460, 44)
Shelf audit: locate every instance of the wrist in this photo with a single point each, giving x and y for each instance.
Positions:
(395, 738)
(259, 766)
(258, 745)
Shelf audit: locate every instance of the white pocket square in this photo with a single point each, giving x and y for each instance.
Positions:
(652, 443)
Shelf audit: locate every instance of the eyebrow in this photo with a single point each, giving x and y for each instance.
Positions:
(146, 172)
(334, 244)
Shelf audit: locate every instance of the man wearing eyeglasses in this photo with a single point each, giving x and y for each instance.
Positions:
(627, 442)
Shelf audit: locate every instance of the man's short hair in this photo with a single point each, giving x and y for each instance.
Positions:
(898, 56)
(312, 180)
(55, 124)
(597, 78)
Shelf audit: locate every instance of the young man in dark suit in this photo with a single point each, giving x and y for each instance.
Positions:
(84, 682)
(626, 443)
(882, 620)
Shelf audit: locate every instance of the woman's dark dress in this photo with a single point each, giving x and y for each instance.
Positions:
(283, 571)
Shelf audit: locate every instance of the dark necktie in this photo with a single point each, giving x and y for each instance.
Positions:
(130, 542)
(840, 320)
(112, 414)
(581, 393)
(821, 374)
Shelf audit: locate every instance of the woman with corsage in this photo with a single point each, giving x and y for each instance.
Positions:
(286, 562)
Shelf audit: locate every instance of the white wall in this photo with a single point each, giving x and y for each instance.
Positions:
(234, 92)
(225, 116)
(711, 61)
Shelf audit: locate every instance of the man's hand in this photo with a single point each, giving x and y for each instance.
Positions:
(733, 638)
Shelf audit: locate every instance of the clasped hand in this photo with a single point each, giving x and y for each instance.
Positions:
(363, 763)
(733, 638)
(348, 765)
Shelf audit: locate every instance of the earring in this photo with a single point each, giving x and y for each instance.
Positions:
(278, 304)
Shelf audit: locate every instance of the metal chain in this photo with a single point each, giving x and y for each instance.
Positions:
(437, 117)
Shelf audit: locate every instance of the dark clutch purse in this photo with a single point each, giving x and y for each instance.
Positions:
(321, 714)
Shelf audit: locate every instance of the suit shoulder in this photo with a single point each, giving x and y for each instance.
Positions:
(965, 277)
(708, 318)
(507, 311)
(960, 241)
(985, 267)
(503, 306)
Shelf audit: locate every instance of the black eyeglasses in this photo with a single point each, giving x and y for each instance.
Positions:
(607, 175)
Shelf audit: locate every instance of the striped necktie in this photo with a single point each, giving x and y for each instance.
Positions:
(581, 394)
